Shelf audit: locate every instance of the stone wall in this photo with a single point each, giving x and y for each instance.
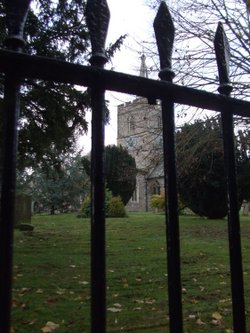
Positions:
(139, 129)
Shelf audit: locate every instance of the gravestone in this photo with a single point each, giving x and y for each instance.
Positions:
(23, 212)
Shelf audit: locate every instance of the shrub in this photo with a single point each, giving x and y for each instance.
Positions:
(108, 198)
(86, 207)
(158, 201)
(116, 208)
(85, 210)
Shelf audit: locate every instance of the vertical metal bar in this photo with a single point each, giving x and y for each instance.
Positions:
(164, 31)
(97, 15)
(16, 15)
(98, 281)
(11, 113)
(172, 219)
(237, 283)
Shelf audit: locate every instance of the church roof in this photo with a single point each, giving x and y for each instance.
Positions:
(157, 171)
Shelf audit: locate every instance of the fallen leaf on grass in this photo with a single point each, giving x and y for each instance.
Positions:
(140, 301)
(217, 316)
(78, 298)
(192, 316)
(225, 300)
(39, 291)
(125, 282)
(29, 322)
(49, 327)
(194, 301)
(83, 282)
(51, 300)
(200, 322)
(217, 319)
(19, 275)
(114, 309)
(117, 307)
(60, 292)
(24, 290)
(150, 301)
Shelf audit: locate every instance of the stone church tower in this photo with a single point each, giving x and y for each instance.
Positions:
(140, 131)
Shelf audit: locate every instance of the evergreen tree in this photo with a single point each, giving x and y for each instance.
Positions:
(120, 172)
(201, 175)
(52, 114)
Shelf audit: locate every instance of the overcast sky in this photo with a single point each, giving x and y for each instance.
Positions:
(134, 18)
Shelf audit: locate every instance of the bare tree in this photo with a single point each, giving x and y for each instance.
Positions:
(194, 57)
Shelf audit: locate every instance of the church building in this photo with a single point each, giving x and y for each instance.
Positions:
(140, 131)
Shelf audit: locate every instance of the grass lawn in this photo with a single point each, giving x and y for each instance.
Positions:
(52, 275)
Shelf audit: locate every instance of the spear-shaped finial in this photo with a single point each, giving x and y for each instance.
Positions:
(16, 13)
(97, 16)
(222, 52)
(164, 32)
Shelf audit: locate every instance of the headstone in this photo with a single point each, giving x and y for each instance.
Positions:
(23, 209)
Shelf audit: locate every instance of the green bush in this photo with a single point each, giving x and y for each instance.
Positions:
(116, 208)
(86, 207)
(85, 210)
(158, 201)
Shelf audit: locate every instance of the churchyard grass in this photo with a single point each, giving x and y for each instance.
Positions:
(52, 275)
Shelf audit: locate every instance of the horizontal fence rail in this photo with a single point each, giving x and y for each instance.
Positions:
(60, 71)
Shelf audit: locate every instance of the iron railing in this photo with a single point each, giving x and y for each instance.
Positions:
(17, 65)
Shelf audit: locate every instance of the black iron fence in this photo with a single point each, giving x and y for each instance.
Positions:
(17, 65)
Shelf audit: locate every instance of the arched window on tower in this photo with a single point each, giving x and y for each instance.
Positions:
(131, 124)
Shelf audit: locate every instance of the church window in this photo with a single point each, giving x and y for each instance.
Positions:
(156, 188)
(135, 196)
(131, 124)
